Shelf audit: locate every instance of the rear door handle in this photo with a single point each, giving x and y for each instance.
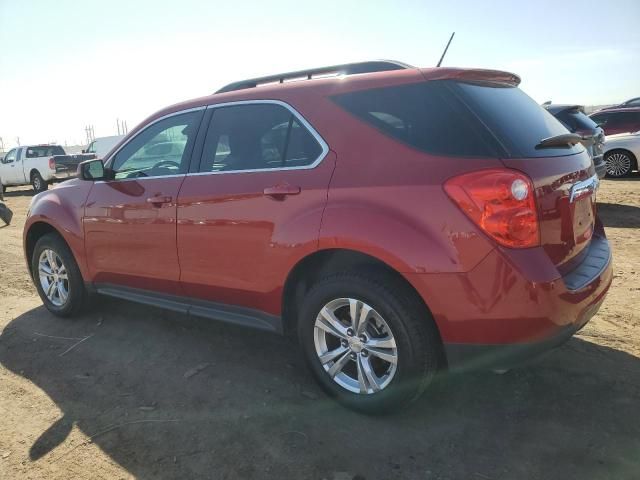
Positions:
(281, 190)
(159, 199)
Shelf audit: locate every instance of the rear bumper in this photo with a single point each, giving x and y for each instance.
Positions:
(514, 305)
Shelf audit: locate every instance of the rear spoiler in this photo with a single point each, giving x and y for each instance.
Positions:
(471, 75)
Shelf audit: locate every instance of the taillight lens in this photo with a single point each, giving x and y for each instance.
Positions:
(52, 163)
(501, 202)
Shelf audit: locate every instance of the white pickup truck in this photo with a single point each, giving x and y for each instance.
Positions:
(38, 165)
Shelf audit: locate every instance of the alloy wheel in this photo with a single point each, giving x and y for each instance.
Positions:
(53, 277)
(618, 164)
(355, 346)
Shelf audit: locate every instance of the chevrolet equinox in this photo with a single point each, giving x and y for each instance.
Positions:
(400, 221)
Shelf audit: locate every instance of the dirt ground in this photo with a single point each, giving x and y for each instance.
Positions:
(152, 394)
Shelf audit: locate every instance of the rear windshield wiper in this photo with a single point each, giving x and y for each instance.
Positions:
(563, 140)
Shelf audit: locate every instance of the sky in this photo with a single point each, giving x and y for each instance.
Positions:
(67, 64)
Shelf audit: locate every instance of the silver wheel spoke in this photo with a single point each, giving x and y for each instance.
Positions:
(51, 290)
(62, 292)
(330, 324)
(44, 268)
(332, 354)
(366, 378)
(50, 260)
(387, 356)
(362, 321)
(354, 312)
(339, 365)
(386, 342)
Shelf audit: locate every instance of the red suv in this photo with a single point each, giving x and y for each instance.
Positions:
(400, 220)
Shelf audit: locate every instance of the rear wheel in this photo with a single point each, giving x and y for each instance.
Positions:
(57, 276)
(619, 163)
(371, 347)
(38, 183)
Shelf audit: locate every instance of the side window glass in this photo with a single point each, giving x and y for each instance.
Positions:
(161, 149)
(257, 137)
(10, 157)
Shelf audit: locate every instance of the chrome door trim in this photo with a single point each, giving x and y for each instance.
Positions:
(303, 121)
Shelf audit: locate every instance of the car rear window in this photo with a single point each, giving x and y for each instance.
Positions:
(575, 120)
(515, 119)
(44, 151)
(462, 119)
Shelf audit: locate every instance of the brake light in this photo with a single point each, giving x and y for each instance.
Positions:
(52, 163)
(501, 202)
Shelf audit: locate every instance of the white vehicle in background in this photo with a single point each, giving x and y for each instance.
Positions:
(621, 154)
(103, 145)
(38, 165)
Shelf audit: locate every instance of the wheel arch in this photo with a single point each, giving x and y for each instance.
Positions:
(33, 172)
(35, 232)
(324, 262)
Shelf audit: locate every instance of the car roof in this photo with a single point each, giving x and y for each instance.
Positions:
(617, 110)
(294, 90)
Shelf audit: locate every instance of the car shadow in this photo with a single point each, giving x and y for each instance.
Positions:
(168, 396)
(19, 193)
(618, 215)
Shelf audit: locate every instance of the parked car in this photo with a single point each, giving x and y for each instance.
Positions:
(618, 120)
(621, 153)
(397, 219)
(576, 121)
(103, 145)
(631, 103)
(38, 165)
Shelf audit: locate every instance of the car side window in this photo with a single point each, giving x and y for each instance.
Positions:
(159, 150)
(10, 157)
(257, 137)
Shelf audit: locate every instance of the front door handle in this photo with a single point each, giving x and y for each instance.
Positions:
(281, 189)
(158, 200)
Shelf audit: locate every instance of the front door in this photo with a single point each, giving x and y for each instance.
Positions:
(254, 207)
(11, 169)
(130, 221)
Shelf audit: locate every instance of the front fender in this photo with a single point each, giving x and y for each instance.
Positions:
(61, 208)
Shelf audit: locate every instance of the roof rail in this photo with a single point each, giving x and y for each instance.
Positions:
(344, 69)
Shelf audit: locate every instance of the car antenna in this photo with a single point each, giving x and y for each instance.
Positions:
(445, 49)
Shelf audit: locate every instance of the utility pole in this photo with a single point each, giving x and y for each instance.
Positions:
(118, 125)
(18, 140)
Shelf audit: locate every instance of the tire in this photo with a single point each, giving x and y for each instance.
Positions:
(416, 338)
(76, 292)
(619, 163)
(38, 183)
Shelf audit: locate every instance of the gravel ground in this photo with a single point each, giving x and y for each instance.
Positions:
(153, 394)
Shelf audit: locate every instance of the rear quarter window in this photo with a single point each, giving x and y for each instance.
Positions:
(426, 116)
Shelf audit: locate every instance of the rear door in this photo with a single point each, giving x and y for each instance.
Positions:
(130, 221)
(254, 206)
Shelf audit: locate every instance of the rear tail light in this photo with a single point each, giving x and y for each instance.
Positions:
(501, 202)
(52, 163)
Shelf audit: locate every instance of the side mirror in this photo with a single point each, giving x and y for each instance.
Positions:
(92, 170)
(84, 150)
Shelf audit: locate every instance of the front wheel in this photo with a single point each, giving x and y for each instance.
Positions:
(619, 164)
(367, 341)
(38, 183)
(57, 276)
